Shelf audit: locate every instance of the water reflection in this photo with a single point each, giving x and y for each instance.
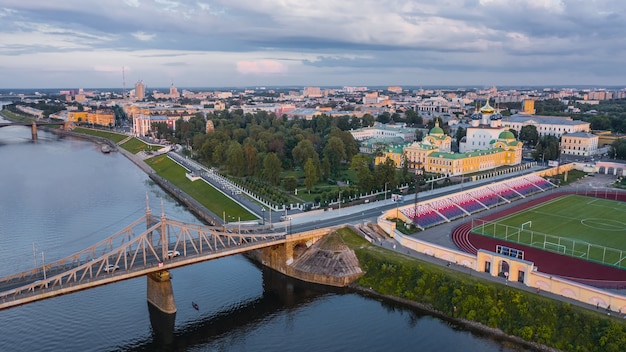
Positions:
(280, 293)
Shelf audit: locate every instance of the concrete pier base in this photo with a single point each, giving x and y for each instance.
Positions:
(162, 325)
(160, 293)
(33, 131)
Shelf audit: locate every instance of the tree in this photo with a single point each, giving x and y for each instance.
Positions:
(412, 118)
(303, 151)
(385, 173)
(529, 135)
(385, 117)
(335, 153)
(368, 120)
(618, 150)
(272, 168)
(460, 133)
(310, 174)
(547, 148)
(250, 155)
(290, 183)
(365, 180)
(405, 167)
(235, 159)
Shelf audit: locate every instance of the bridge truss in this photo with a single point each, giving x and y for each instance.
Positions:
(149, 244)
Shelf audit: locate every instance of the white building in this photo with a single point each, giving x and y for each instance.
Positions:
(546, 125)
(486, 126)
(384, 131)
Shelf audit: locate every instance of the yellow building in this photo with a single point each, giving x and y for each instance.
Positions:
(528, 107)
(417, 152)
(77, 116)
(505, 150)
(608, 137)
(394, 153)
(99, 117)
(579, 143)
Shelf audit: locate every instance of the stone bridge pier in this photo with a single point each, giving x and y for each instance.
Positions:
(280, 257)
(160, 293)
(33, 131)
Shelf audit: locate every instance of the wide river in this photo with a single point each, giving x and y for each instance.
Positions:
(59, 196)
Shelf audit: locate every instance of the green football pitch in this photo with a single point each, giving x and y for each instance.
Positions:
(589, 228)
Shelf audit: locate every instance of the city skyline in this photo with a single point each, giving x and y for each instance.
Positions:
(269, 43)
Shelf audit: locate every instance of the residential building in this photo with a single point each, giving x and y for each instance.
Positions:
(546, 125)
(140, 90)
(579, 143)
(98, 117)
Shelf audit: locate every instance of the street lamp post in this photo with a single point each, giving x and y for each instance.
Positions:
(340, 199)
(263, 211)
(289, 229)
(386, 189)
(418, 177)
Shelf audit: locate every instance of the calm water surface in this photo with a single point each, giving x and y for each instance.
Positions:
(58, 196)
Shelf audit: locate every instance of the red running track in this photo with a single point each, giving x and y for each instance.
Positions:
(571, 268)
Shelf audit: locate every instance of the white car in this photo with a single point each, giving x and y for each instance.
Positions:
(171, 254)
(110, 267)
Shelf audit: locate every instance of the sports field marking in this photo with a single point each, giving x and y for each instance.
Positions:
(618, 207)
(554, 215)
(604, 224)
(533, 208)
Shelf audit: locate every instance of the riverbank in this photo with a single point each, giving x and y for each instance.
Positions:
(469, 325)
(472, 301)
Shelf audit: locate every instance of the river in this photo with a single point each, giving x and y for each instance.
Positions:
(60, 195)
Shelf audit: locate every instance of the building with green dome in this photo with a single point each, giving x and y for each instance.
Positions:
(495, 146)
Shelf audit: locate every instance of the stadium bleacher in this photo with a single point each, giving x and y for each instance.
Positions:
(504, 191)
(468, 203)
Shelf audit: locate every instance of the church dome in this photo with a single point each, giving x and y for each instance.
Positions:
(487, 109)
(477, 116)
(506, 135)
(436, 130)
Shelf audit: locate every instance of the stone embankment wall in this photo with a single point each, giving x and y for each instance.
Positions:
(313, 258)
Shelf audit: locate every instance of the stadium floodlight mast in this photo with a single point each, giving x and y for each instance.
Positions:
(418, 177)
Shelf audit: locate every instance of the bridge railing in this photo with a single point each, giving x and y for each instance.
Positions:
(133, 253)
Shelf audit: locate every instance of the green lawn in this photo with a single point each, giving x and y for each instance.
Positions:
(115, 137)
(584, 227)
(15, 116)
(135, 146)
(199, 190)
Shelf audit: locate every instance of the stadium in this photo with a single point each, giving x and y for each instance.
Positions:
(528, 224)
(577, 235)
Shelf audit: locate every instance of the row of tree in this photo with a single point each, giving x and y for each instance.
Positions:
(263, 146)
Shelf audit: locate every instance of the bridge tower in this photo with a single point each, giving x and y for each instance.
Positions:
(33, 131)
(160, 293)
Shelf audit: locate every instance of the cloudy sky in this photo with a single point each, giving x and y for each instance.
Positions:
(216, 43)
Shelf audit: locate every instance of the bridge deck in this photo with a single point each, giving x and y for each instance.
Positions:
(163, 244)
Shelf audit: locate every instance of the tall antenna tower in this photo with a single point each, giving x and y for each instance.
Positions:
(123, 84)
